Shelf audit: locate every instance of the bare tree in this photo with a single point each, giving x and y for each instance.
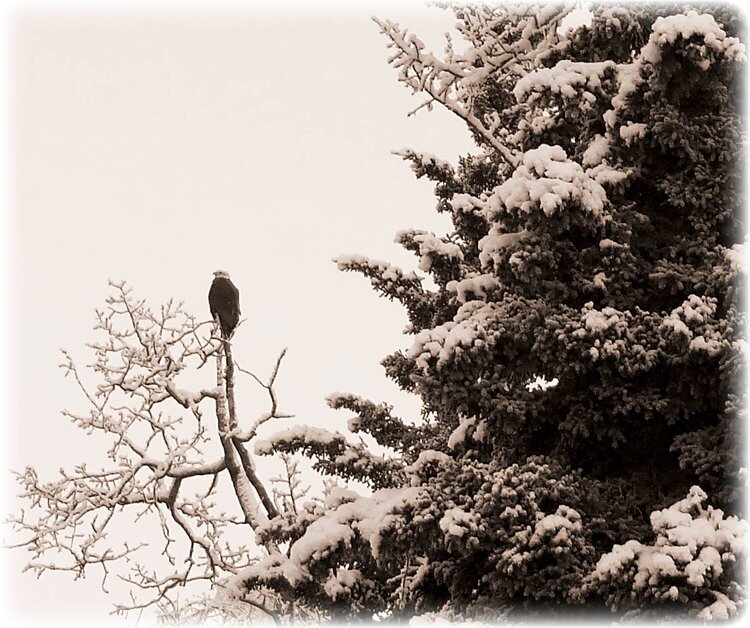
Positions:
(174, 456)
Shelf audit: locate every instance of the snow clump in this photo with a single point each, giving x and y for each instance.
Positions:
(471, 288)
(566, 78)
(546, 178)
(472, 325)
(694, 546)
(430, 246)
(666, 30)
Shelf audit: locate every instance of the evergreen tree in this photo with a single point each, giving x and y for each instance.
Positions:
(580, 356)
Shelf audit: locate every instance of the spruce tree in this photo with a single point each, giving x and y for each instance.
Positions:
(579, 357)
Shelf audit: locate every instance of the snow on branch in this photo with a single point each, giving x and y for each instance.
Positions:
(699, 35)
(504, 45)
(394, 284)
(349, 526)
(366, 517)
(479, 286)
(477, 327)
(567, 78)
(392, 281)
(335, 455)
(274, 412)
(548, 179)
(667, 30)
(426, 164)
(169, 451)
(692, 558)
(441, 81)
(377, 421)
(432, 250)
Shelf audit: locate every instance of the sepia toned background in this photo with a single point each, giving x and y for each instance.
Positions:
(158, 143)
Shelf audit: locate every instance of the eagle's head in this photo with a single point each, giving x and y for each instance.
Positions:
(221, 273)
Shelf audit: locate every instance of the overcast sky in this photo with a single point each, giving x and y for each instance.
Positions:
(159, 144)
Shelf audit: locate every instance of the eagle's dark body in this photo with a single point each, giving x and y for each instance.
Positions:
(224, 301)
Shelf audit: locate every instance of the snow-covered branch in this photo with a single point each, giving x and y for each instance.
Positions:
(335, 455)
(504, 44)
(174, 457)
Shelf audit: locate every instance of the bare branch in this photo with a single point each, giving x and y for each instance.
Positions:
(155, 467)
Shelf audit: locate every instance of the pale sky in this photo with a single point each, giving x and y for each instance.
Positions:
(159, 144)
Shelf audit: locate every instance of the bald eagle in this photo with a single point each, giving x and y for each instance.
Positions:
(224, 301)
